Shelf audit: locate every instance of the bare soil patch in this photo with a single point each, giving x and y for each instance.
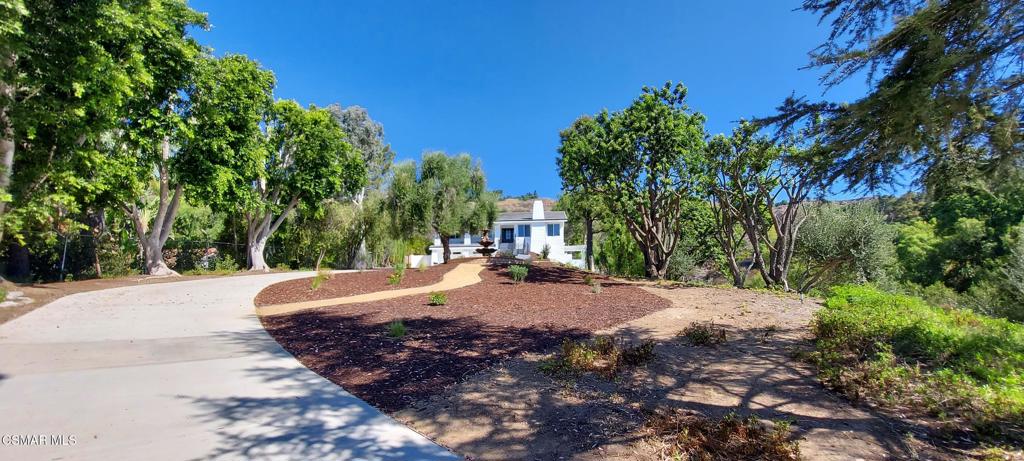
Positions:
(515, 411)
(480, 326)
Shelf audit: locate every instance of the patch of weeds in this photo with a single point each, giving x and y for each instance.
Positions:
(688, 436)
(397, 274)
(438, 298)
(518, 272)
(703, 334)
(397, 329)
(3, 293)
(596, 288)
(588, 279)
(221, 264)
(319, 279)
(604, 356)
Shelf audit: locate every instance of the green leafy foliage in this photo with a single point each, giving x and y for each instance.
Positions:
(844, 242)
(397, 329)
(518, 272)
(643, 162)
(605, 355)
(319, 279)
(897, 350)
(397, 274)
(438, 298)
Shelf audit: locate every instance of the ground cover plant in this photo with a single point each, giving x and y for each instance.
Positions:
(397, 274)
(397, 329)
(438, 298)
(604, 355)
(518, 272)
(690, 436)
(703, 334)
(964, 368)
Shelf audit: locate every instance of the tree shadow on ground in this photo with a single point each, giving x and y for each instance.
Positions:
(295, 414)
(517, 412)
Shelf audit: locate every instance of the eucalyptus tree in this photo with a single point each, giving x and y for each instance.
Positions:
(447, 195)
(946, 83)
(584, 138)
(68, 73)
(366, 137)
(760, 185)
(645, 162)
(305, 160)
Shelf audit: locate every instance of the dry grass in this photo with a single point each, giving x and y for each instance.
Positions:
(605, 356)
(690, 436)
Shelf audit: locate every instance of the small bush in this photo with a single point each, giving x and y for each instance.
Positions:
(438, 298)
(588, 279)
(3, 293)
(683, 435)
(703, 334)
(397, 329)
(605, 356)
(397, 274)
(319, 279)
(545, 251)
(518, 272)
(896, 350)
(595, 288)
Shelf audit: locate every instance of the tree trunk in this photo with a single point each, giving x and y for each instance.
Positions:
(447, 253)
(7, 143)
(256, 261)
(153, 254)
(589, 253)
(152, 238)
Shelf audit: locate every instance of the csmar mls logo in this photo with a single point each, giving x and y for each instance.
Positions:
(38, 440)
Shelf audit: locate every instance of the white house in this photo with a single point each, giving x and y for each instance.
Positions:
(521, 233)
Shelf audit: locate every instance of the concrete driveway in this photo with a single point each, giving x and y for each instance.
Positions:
(177, 371)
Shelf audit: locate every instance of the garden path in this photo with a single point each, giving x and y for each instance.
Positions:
(463, 275)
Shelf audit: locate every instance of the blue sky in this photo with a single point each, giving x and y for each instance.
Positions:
(500, 79)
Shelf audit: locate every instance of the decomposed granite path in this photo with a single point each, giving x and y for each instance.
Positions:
(463, 275)
(177, 371)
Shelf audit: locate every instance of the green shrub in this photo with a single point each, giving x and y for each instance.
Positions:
(438, 298)
(518, 272)
(3, 293)
(604, 355)
(545, 251)
(896, 349)
(703, 334)
(319, 279)
(397, 329)
(397, 274)
(588, 279)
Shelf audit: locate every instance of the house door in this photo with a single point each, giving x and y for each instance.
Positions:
(507, 235)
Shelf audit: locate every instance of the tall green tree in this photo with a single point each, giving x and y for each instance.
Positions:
(760, 185)
(447, 194)
(68, 72)
(946, 83)
(583, 139)
(305, 160)
(644, 161)
(366, 137)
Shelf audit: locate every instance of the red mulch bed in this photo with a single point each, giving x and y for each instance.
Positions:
(348, 284)
(480, 325)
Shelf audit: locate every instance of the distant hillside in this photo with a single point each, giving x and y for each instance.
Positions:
(514, 204)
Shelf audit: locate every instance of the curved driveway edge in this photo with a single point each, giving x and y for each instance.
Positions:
(178, 371)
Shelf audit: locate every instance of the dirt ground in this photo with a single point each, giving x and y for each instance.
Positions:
(353, 283)
(479, 326)
(513, 411)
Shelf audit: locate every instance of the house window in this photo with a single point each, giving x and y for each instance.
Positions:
(554, 230)
(507, 235)
(524, 230)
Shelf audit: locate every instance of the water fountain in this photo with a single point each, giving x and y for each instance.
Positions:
(485, 244)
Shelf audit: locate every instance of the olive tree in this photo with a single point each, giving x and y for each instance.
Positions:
(447, 196)
(644, 161)
(837, 239)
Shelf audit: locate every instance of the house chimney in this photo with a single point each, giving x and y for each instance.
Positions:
(538, 210)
